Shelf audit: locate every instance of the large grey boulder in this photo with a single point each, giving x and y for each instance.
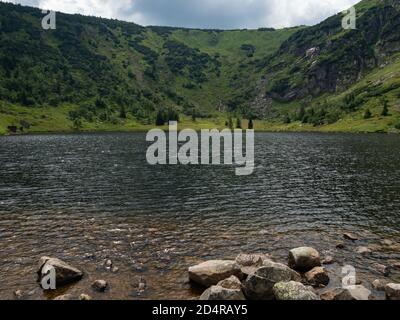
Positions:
(259, 285)
(293, 291)
(220, 293)
(317, 276)
(392, 291)
(211, 272)
(304, 259)
(65, 273)
(355, 293)
(249, 263)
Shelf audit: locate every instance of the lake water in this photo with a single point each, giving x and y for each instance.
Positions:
(88, 197)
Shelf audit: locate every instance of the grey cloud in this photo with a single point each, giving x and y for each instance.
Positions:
(222, 14)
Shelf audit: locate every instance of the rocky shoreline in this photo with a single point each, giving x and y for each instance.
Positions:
(304, 276)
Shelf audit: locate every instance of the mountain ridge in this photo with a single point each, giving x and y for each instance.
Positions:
(97, 74)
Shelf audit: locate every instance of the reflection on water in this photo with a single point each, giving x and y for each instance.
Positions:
(85, 198)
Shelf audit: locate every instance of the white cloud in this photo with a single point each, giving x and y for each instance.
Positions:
(204, 13)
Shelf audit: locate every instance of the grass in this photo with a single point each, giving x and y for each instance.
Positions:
(55, 120)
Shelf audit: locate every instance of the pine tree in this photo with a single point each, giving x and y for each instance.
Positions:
(230, 123)
(367, 114)
(160, 119)
(251, 124)
(238, 123)
(122, 113)
(385, 111)
(302, 113)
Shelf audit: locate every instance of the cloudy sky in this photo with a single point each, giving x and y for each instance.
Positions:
(223, 14)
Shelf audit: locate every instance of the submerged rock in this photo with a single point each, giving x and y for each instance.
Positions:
(100, 285)
(304, 259)
(328, 260)
(392, 291)
(220, 293)
(385, 270)
(19, 294)
(350, 236)
(317, 276)
(259, 285)
(379, 285)
(356, 293)
(65, 273)
(211, 272)
(293, 291)
(340, 245)
(364, 251)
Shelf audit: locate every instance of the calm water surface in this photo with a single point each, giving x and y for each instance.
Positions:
(89, 197)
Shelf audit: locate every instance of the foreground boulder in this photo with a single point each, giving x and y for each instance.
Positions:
(65, 273)
(249, 263)
(231, 283)
(293, 291)
(220, 293)
(318, 276)
(356, 293)
(304, 259)
(211, 272)
(392, 291)
(259, 285)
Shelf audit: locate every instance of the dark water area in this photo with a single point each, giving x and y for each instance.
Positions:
(86, 198)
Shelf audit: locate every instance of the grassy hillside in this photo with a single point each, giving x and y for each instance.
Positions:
(98, 74)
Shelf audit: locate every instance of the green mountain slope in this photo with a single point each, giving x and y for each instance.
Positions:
(98, 74)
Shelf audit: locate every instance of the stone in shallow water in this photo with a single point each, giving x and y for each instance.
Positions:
(293, 291)
(364, 251)
(317, 277)
(211, 272)
(100, 285)
(385, 270)
(379, 285)
(340, 245)
(65, 273)
(356, 293)
(19, 294)
(328, 260)
(304, 259)
(350, 236)
(392, 291)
